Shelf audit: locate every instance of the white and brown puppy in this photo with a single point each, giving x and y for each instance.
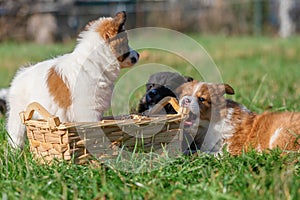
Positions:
(77, 86)
(218, 122)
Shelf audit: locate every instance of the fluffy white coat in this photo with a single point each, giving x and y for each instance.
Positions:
(89, 73)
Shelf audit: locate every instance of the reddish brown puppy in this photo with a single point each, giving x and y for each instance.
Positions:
(217, 122)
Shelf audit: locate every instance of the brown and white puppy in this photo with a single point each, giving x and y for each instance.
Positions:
(77, 86)
(216, 122)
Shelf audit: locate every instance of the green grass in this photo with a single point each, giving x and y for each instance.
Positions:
(15, 55)
(265, 75)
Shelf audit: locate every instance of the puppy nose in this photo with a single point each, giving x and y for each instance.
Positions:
(135, 57)
(151, 95)
(133, 60)
(185, 102)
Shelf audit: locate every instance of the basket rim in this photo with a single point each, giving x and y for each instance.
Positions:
(53, 122)
(142, 120)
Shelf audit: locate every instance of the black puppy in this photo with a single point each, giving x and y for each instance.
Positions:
(160, 85)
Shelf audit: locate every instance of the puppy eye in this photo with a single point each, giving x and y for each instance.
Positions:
(149, 86)
(201, 99)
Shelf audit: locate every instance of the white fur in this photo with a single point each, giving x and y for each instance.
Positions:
(199, 85)
(274, 137)
(89, 72)
(3, 93)
(217, 133)
(193, 105)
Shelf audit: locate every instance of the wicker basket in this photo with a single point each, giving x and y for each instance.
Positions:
(51, 139)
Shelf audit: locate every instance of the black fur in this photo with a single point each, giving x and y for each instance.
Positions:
(2, 107)
(160, 85)
(153, 96)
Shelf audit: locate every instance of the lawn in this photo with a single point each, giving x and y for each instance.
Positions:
(265, 75)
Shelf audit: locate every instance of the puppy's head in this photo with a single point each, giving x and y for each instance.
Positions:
(204, 100)
(159, 86)
(155, 93)
(112, 30)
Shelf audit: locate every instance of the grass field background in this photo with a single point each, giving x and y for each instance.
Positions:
(265, 75)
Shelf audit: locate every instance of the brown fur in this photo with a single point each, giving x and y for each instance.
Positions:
(59, 89)
(250, 130)
(265, 125)
(113, 32)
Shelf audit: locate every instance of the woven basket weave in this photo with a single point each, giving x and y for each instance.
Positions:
(51, 139)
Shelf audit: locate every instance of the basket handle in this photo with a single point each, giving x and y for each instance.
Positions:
(162, 103)
(36, 107)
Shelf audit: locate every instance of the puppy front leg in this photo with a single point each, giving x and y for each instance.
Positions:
(15, 129)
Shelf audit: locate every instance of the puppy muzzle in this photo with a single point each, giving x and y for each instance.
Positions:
(191, 103)
(130, 58)
(152, 96)
(133, 56)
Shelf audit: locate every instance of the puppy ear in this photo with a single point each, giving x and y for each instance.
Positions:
(229, 89)
(225, 89)
(119, 20)
(188, 79)
(111, 27)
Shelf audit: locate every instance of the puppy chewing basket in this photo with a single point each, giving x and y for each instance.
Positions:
(49, 138)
